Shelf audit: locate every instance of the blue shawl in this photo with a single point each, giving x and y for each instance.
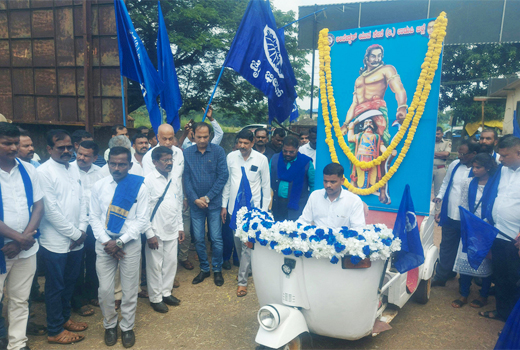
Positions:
(296, 175)
(124, 197)
(30, 201)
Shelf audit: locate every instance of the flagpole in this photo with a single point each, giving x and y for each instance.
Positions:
(213, 93)
(123, 99)
(299, 19)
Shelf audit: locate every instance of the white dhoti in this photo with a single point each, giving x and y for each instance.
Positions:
(161, 267)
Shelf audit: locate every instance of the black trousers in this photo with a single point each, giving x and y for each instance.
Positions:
(448, 249)
(87, 285)
(506, 271)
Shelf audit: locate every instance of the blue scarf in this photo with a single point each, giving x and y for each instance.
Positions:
(489, 196)
(29, 195)
(296, 175)
(124, 197)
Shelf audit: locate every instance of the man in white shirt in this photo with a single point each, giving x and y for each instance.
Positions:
(188, 135)
(26, 149)
(86, 290)
(117, 130)
(506, 210)
(63, 231)
(118, 215)
(256, 168)
(333, 206)
(488, 141)
(18, 224)
(123, 141)
(165, 231)
(141, 146)
(309, 149)
(449, 217)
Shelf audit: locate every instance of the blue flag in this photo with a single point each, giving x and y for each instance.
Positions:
(294, 113)
(411, 254)
(171, 99)
(244, 199)
(516, 128)
(477, 237)
(258, 54)
(135, 64)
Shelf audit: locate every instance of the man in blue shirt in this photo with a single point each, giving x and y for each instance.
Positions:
(205, 175)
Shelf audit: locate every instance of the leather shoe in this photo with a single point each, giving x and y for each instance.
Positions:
(3, 343)
(226, 265)
(171, 300)
(128, 338)
(25, 348)
(219, 280)
(438, 283)
(159, 307)
(111, 336)
(201, 277)
(186, 264)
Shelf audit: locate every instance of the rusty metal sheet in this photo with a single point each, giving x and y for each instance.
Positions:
(6, 106)
(20, 23)
(110, 82)
(96, 82)
(24, 110)
(4, 33)
(42, 23)
(44, 54)
(67, 81)
(5, 59)
(78, 20)
(107, 20)
(81, 109)
(78, 2)
(45, 81)
(19, 4)
(95, 52)
(109, 51)
(21, 53)
(45, 3)
(97, 110)
(94, 20)
(80, 55)
(5, 78)
(23, 81)
(112, 110)
(3, 4)
(80, 73)
(65, 37)
(68, 109)
(47, 108)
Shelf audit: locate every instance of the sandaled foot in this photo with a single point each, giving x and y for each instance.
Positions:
(85, 311)
(36, 329)
(241, 291)
(478, 303)
(458, 303)
(66, 337)
(94, 302)
(75, 326)
(143, 294)
(491, 315)
(118, 304)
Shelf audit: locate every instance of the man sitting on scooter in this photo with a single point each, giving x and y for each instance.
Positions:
(333, 206)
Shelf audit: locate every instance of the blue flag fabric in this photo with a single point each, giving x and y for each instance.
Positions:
(258, 54)
(411, 254)
(135, 64)
(171, 99)
(516, 128)
(477, 237)
(294, 113)
(244, 199)
(510, 336)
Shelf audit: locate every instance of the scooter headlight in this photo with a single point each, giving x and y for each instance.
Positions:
(268, 318)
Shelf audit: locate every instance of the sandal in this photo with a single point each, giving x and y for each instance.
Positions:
(118, 304)
(241, 291)
(36, 329)
(491, 315)
(65, 337)
(478, 303)
(94, 302)
(75, 326)
(85, 311)
(457, 304)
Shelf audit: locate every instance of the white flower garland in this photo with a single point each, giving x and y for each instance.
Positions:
(289, 237)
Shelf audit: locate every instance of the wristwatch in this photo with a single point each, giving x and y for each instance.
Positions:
(207, 199)
(120, 243)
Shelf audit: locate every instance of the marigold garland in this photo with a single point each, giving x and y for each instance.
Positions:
(413, 116)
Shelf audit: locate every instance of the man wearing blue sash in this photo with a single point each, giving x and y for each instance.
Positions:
(118, 215)
(449, 217)
(19, 220)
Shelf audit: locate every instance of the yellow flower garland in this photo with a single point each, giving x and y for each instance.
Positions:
(416, 108)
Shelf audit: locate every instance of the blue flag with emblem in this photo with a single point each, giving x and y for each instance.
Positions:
(171, 99)
(135, 64)
(244, 199)
(516, 128)
(411, 254)
(258, 54)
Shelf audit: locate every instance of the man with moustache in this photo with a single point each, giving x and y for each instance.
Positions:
(78, 137)
(488, 141)
(261, 141)
(86, 290)
(276, 143)
(165, 230)
(141, 146)
(117, 130)
(188, 135)
(118, 215)
(26, 148)
(63, 231)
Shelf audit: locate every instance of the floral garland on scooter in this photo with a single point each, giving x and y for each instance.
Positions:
(289, 237)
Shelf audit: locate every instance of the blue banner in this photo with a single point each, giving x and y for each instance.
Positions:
(243, 199)
(258, 54)
(374, 77)
(135, 64)
(171, 99)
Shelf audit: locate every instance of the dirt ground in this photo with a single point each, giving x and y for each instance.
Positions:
(212, 317)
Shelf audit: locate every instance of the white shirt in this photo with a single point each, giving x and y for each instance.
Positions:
(177, 168)
(217, 137)
(257, 172)
(137, 220)
(167, 221)
(309, 152)
(506, 210)
(14, 200)
(136, 169)
(459, 179)
(65, 207)
(88, 179)
(346, 210)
